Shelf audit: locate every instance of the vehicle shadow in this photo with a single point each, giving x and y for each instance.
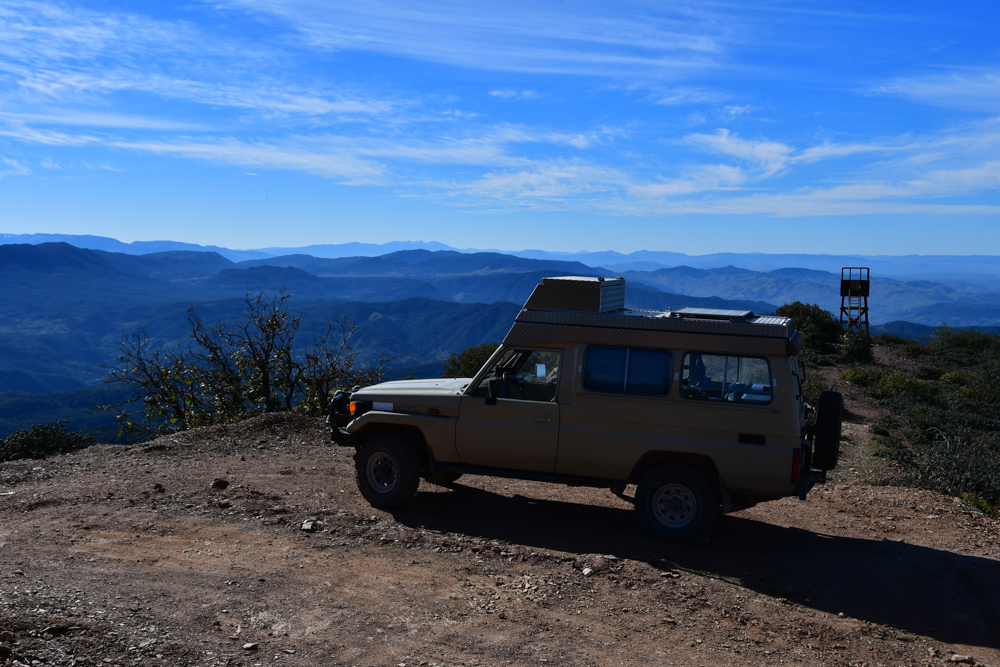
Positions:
(949, 597)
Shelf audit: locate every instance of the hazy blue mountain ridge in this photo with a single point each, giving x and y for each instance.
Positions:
(965, 272)
(920, 301)
(90, 242)
(170, 265)
(423, 263)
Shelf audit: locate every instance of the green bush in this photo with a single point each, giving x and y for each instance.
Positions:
(929, 373)
(890, 339)
(882, 384)
(954, 465)
(42, 440)
(969, 341)
(858, 346)
(820, 328)
(878, 429)
(466, 364)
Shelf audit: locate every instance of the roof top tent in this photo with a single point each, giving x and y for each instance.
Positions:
(592, 310)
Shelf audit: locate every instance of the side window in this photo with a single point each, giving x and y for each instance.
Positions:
(628, 370)
(719, 377)
(526, 375)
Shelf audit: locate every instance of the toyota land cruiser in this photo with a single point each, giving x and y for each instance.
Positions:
(702, 409)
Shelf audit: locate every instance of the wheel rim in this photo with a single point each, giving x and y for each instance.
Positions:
(674, 505)
(382, 474)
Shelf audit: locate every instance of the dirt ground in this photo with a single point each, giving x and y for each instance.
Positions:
(136, 555)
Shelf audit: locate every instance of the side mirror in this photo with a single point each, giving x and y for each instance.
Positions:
(491, 391)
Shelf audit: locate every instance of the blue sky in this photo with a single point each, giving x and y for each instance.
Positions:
(693, 127)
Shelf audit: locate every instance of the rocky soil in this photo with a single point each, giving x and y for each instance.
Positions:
(250, 545)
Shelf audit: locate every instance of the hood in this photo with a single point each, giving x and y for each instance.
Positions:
(405, 387)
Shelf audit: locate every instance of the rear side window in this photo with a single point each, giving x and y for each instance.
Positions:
(627, 370)
(720, 377)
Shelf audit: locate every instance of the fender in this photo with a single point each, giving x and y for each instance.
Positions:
(438, 430)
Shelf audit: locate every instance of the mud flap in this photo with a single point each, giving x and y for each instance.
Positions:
(340, 436)
(807, 476)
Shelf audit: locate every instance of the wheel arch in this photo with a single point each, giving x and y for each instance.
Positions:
(650, 460)
(410, 434)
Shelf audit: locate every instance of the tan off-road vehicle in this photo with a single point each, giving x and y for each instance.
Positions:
(701, 409)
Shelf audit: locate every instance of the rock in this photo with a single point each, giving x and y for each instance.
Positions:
(601, 564)
(220, 484)
(6, 636)
(158, 488)
(56, 630)
(251, 646)
(587, 571)
(311, 525)
(958, 658)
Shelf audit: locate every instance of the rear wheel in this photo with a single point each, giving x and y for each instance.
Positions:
(829, 416)
(676, 502)
(387, 470)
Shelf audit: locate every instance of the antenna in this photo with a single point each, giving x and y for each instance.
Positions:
(854, 288)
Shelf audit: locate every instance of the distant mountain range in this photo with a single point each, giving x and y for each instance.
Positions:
(977, 273)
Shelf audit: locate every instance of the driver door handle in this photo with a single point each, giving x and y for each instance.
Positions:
(542, 420)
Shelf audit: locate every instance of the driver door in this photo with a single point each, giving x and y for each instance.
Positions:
(521, 431)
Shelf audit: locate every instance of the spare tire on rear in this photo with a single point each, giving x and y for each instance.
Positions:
(829, 415)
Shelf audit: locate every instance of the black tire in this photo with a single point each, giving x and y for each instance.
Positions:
(676, 502)
(829, 416)
(445, 478)
(387, 470)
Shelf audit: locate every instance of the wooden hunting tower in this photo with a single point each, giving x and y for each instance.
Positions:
(854, 288)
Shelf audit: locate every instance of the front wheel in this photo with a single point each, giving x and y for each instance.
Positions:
(387, 471)
(676, 502)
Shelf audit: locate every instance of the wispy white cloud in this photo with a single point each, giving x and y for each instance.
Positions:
(908, 177)
(595, 40)
(510, 94)
(542, 185)
(22, 132)
(695, 180)
(341, 166)
(103, 120)
(9, 167)
(732, 111)
(61, 54)
(972, 89)
(770, 156)
(829, 150)
(684, 95)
